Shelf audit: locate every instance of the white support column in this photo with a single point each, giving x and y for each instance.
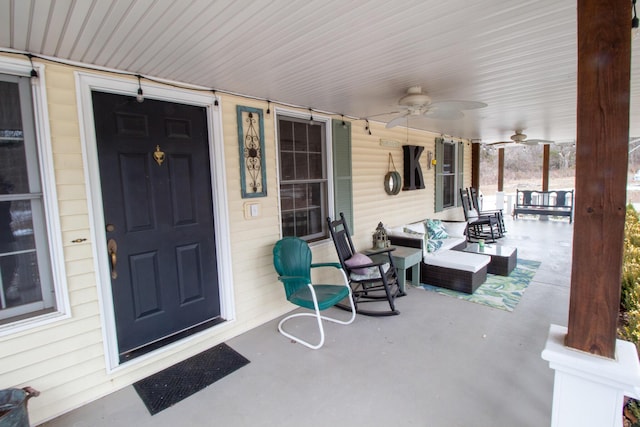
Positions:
(589, 390)
(499, 200)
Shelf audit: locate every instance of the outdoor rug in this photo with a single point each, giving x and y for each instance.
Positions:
(503, 292)
(170, 386)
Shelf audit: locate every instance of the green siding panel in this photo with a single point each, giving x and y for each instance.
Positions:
(438, 171)
(342, 181)
(460, 177)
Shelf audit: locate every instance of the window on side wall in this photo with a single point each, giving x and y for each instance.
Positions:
(304, 179)
(26, 282)
(449, 177)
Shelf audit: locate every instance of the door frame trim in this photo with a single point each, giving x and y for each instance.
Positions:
(85, 83)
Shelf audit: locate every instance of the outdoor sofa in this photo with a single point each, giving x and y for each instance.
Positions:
(443, 262)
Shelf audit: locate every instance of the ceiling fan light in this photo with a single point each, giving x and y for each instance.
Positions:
(415, 99)
(518, 137)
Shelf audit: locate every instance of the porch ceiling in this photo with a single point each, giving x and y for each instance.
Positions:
(353, 57)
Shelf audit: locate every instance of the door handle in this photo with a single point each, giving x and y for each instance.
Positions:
(112, 246)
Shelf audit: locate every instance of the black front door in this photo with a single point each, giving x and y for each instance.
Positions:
(156, 189)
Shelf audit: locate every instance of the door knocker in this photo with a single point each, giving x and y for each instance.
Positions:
(392, 180)
(158, 155)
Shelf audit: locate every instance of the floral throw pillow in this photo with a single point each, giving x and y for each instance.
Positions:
(435, 229)
(434, 245)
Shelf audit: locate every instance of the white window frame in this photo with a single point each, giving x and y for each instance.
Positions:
(455, 164)
(40, 112)
(328, 158)
(439, 177)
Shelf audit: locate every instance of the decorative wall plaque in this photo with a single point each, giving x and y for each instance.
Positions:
(413, 179)
(251, 142)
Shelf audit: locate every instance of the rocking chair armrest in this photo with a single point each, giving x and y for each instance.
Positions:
(327, 264)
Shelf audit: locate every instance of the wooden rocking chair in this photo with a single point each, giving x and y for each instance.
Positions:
(370, 281)
(484, 227)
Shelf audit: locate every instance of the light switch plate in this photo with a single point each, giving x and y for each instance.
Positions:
(251, 210)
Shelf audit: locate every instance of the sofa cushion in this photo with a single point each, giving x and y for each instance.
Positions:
(436, 229)
(425, 245)
(417, 227)
(395, 231)
(455, 228)
(451, 243)
(457, 260)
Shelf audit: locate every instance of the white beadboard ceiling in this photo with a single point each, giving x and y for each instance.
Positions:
(353, 57)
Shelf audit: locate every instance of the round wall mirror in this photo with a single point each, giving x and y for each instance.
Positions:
(392, 183)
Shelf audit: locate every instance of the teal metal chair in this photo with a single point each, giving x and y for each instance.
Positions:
(292, 261)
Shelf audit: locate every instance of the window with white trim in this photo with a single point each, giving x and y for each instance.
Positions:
(304, 178)
(449, 173)
(26, 280)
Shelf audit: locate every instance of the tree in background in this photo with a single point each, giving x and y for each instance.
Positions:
(523, 167)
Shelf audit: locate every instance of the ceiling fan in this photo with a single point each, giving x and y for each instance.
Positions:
(520, 138)
(418, 103)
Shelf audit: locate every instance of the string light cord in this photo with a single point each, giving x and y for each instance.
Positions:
(169, 83)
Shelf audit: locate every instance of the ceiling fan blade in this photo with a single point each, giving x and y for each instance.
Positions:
(501, 144)
(398, 120)
(443, 114)
(458, 105)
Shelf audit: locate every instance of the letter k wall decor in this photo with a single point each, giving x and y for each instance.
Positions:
(413, 179)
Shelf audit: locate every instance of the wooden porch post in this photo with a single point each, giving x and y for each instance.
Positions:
(545, 167)
(475, 166)
(604, 59)
(500, 169)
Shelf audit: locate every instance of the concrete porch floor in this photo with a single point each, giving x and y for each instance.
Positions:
(441, 362)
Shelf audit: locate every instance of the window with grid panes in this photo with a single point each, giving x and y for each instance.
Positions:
(26, 283)
(303, 178)
(449, 173)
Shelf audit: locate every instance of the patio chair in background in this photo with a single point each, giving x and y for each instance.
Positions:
(292, 261)
(370, 281)
(473, 194)
(478, 227)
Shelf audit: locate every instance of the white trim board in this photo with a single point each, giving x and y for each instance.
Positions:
(19, 67)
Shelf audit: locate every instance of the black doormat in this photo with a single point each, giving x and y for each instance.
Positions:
(170, 386)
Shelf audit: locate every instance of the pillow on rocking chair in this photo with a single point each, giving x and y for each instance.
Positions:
(356, 260)
(365, 273)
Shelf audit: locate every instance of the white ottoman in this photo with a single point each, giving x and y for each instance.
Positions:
(460, 271)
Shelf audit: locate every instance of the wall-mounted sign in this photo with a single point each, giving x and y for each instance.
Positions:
(413, 179)
(251, 142)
